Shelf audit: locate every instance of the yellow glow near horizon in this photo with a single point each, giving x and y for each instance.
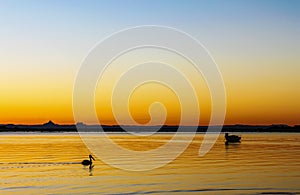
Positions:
(148, 93)
(265, 99)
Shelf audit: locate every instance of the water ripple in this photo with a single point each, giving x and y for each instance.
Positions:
(210, 190)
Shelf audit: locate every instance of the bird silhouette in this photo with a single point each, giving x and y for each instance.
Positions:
(231, 138)
(88, 162)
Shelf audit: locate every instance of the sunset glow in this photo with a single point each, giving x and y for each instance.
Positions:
(256, 47)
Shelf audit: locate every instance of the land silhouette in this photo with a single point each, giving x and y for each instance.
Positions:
(53, 127)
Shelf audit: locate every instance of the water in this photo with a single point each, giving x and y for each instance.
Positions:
(50, 164)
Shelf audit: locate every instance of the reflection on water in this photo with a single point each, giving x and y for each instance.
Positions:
(39, 164)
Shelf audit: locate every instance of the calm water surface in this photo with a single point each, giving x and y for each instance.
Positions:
(50, 164)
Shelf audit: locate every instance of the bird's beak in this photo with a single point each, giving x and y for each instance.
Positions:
(92, 157)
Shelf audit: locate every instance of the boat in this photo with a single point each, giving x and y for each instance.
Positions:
(232, 138)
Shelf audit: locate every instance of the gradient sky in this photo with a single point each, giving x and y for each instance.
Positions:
(256, 45)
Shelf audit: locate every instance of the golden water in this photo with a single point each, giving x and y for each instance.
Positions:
(50, 164)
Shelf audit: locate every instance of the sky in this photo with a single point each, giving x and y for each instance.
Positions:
(256, 45)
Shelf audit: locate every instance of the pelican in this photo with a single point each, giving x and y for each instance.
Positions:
(88, 162)
(232, 138)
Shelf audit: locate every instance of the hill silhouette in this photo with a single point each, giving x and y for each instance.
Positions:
(50, 126)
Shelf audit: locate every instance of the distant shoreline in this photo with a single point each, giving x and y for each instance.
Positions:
(51, 127)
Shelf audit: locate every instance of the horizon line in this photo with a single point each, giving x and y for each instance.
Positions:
(141, 125)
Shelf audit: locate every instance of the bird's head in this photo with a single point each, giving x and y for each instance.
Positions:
(91, 157)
